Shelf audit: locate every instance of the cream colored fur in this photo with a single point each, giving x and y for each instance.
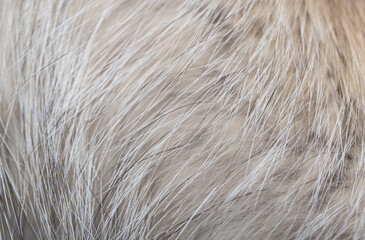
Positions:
(182, 119)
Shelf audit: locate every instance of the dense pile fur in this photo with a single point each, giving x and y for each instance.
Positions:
(170, 119)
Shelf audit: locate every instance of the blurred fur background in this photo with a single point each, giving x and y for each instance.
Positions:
(182, 119)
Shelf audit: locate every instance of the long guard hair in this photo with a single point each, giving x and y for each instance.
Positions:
(182, 119)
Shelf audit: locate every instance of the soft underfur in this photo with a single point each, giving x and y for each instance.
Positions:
(182, 119)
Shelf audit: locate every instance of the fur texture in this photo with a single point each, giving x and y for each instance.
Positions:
(170, 119)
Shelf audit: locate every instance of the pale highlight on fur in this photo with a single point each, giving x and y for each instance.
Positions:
(169, 119)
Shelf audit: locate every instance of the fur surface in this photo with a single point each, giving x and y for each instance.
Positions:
(169, 119)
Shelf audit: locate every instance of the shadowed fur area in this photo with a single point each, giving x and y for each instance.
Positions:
(182, 119)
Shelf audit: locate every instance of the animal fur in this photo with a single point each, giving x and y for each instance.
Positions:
(171, 119)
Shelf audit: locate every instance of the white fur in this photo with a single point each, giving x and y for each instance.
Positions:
(169, 119)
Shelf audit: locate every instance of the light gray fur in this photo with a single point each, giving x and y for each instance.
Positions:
(182, 119)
